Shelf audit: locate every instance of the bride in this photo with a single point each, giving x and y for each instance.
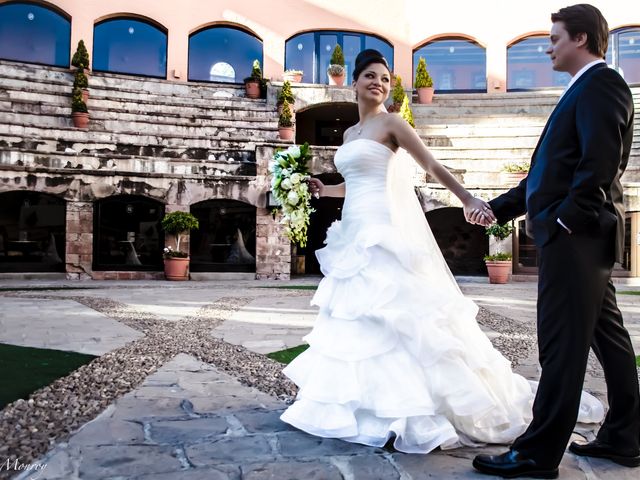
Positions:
(396, 350)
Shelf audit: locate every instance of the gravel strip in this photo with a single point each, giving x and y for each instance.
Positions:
(51, 414)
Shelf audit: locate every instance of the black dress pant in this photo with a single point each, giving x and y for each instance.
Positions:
(577, 310)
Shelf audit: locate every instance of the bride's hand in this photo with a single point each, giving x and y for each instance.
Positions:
(316, 187)
(478, 212)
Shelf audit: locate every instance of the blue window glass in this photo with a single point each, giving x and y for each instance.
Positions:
(311, 52)
(222, 54)
(624, 46)
(300, 55)
(528, 66)
(454, 65)
(126, 45)
(34, 34)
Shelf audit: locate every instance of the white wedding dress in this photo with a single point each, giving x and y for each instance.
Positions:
(396, 349)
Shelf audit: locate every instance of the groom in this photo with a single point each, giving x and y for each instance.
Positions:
(575, 213)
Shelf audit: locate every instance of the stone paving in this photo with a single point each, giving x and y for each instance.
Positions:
(190, 420)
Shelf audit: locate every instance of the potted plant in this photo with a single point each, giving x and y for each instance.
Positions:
(513, 173)
(336, 71)
(499, 263)
(176, 262)
(253, 82)
(406, 113)
(423, 82)
(80, 58)
(286, 94)
(79, 112)
(293, 76)
(398, 95)
(285, 122)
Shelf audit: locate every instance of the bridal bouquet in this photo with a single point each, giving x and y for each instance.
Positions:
(290, 189)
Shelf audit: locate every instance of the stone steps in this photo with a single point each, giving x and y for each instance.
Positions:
(240, 163)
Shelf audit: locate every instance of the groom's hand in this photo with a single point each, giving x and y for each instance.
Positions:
(478, 212)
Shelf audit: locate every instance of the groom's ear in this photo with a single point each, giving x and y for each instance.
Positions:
(581, 39)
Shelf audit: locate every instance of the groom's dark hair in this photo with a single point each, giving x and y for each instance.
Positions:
(366, 58)
(585, 18)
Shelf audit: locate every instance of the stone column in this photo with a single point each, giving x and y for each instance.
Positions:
(273, 248)
(79, 240)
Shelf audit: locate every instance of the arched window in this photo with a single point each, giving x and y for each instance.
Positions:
(455, 65)
(34, 34)
(222, 54)
(226, 238)
(127, 233)
(132, 46)
(624, 53)
(311, 52)
(32, 232)
(529, 67)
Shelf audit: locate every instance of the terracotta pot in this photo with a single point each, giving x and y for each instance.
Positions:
(293, 77)
(499, 270)
(252, 88)
(285, 133)
(337, 80)
(80, 119)
(176, 268)
(85, 95)
(425, 94)
(512, 178)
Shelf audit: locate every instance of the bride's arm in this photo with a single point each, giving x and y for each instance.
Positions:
(407, 138)
(316, 186)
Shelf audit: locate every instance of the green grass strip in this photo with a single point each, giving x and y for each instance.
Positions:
(638, 360)
(39, 289)
(24, 370)
(629, 292)
(286, 356)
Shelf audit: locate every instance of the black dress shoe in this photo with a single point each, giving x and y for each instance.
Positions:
(511, 465)
(602, 450)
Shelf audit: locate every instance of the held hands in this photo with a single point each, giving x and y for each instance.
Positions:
(478, 212)
(316, 187)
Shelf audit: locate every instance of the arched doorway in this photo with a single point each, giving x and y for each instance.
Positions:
(324, 125)
(463, 245)
(127, 233)
(226, 239)
(32, 232)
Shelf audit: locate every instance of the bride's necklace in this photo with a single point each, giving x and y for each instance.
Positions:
(359, 127)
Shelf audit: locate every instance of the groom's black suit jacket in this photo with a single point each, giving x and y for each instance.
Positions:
(576, 166)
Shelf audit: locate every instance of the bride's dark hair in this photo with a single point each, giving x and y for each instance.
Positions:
(366, 58)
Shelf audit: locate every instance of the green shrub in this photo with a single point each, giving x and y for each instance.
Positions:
(80, 79)
(77, 104)
(398, 92)
(177, 223)
(286, 93)
(423, 79)
(337, 57)
(80, 58)
(499, 231)
(285, 119)
(406, 113)
(498, 257)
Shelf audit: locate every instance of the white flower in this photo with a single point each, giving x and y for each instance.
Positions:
(296, 178)
(293, 198)
(286, 184)
(294, 151)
